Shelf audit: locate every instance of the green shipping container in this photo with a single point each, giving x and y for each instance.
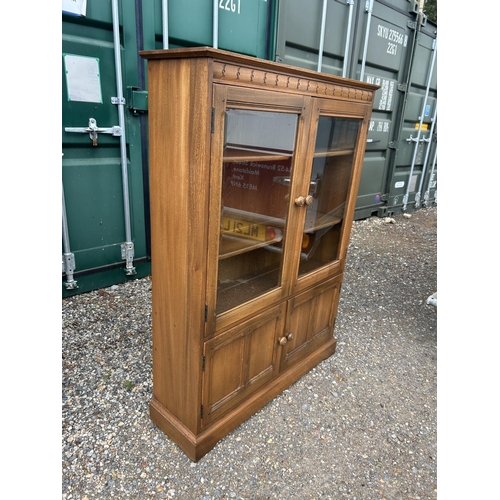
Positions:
(105, 176)
(386, 43)
(105, 172)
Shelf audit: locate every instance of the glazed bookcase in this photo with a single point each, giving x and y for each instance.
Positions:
(254, 172)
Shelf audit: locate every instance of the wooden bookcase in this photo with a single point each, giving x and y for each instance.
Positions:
(254, 171)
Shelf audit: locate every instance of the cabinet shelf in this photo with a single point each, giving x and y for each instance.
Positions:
(333, 152)
(231, 292)
(322, 225)
(233, 245)
(248, 154)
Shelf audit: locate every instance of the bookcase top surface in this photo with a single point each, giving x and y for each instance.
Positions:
(234, 58)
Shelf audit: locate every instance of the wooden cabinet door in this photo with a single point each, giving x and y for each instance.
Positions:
(325, 195)
(257, 143)
(309, 321)
(240, 361)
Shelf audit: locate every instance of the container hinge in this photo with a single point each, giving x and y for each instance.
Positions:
(391, 145)
(201, 411)
(127, 251)
(206, 313)
(68, 263)
(68, 267)
(203, 363)
(402, 87)
(212, 126)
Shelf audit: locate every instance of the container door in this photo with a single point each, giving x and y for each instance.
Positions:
(417, 137)
(383, 55)
(372, 41)
(105, 202)
(300, 36)
(241, 26)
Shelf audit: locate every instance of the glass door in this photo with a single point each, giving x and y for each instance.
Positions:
(258, 142)
(256, 171)
(326, 195)
(323, 198)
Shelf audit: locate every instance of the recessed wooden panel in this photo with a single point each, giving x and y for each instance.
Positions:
(239, 361)
(310, 319)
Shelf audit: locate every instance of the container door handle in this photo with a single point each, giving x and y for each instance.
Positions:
(93, 130)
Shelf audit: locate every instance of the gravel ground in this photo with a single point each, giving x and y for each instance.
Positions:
(361, 425)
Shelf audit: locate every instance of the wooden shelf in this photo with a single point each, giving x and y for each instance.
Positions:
(233, 245)
(237, 154)
(334, 152)
(235, 213)
(231, 293)
(321, 225)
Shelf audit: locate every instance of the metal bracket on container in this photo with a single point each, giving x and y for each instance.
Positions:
(127, 249)
(416, 139)
(414, 6)
(68, 267)
(405, 202)
(118, 100)
(417, 200)
(93, 130)
(137, 100)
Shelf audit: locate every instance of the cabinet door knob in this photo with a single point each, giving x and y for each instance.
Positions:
(283, 340)
(300, 201)
(290, 336)
(309, 200)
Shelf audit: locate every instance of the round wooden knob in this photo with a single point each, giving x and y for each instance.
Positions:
(300, 201)
(283, 340)
(309, 200)
(290, 336)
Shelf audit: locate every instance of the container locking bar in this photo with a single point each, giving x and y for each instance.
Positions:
(93, 130)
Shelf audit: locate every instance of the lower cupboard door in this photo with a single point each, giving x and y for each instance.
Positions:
(310, 321)
(239, 361)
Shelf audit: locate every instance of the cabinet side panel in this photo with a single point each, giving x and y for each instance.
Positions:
(179, 122)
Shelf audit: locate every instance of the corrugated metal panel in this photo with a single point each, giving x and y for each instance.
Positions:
(376, 41)
(416, 142)
(95, 194)
(95, 191)
(241, 26)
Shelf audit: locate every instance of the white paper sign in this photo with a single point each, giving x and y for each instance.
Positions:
(78, 7)
(83, 78)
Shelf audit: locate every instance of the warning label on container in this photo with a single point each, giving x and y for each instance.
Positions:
(384, 95)
(78, 7)
(83, 78)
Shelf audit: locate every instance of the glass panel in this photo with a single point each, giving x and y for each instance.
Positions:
(328, 189)
(257, 165)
